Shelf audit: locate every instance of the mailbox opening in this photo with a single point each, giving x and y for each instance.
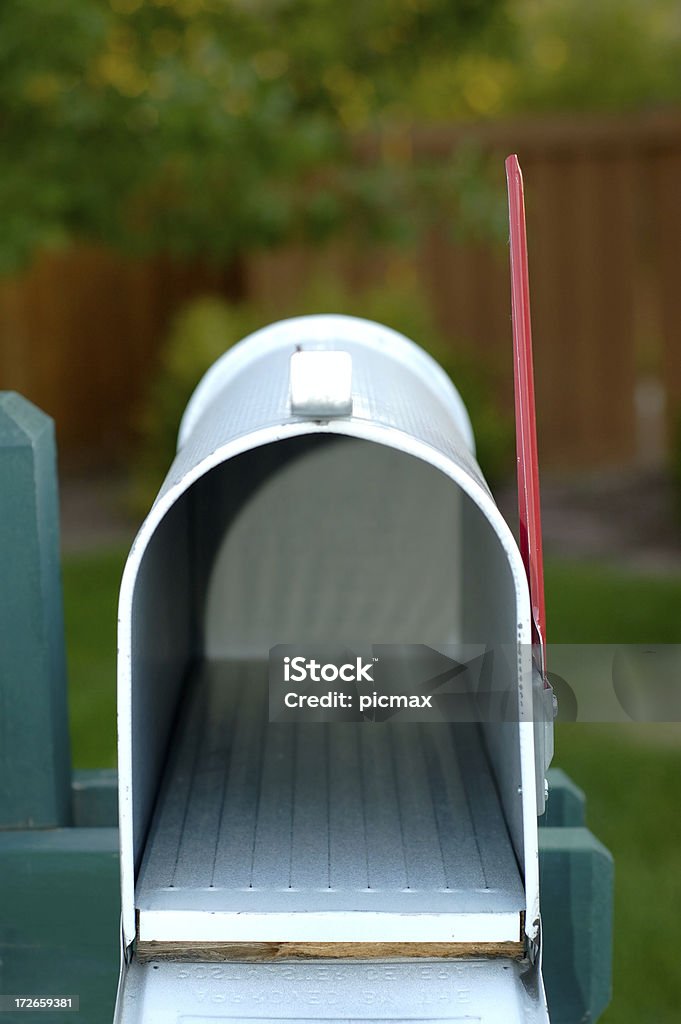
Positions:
(246, 831)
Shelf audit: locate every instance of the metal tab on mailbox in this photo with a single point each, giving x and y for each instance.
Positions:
(321, 383)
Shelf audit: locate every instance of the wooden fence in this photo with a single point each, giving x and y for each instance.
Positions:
(79, 332)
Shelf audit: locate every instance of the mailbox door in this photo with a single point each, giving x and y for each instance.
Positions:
(430, 991)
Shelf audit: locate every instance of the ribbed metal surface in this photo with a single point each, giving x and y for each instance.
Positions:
(257, 816)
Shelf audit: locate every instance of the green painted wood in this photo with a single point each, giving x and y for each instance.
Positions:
(95, 798)
(59, 926)
(566, 804)
(577, 879)
(34, 744)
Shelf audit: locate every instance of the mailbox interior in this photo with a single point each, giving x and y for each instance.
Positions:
(249, 831)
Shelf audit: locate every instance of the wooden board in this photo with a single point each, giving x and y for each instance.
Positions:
(265, 951)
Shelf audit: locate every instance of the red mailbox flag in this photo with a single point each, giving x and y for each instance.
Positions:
(525, 419)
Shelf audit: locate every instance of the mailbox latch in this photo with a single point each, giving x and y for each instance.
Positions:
(321, 383)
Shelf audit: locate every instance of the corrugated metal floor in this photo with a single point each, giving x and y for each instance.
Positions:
(311, 817)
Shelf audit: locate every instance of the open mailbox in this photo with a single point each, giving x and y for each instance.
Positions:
(325, 491)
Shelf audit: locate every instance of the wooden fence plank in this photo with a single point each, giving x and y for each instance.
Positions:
(664, 182)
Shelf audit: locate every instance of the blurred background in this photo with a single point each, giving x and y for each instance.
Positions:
(176, 173)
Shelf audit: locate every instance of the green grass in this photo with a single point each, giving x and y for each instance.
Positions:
(631, 774)
(587, 603)
(91, 584)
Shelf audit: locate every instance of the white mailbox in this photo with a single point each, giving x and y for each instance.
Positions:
(325, 490)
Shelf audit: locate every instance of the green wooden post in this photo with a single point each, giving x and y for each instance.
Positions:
(577, 882)
(60, 920)
(577, 903)
(566, 804)
(35, 775)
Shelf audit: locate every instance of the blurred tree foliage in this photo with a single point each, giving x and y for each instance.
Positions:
(211, 125)
(576, 55)
(214, 125)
